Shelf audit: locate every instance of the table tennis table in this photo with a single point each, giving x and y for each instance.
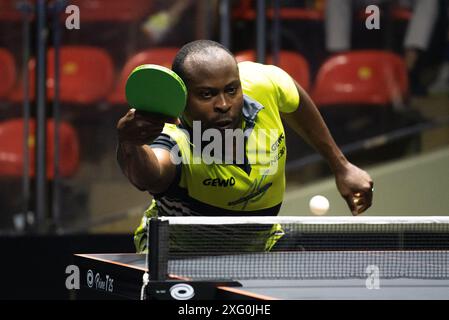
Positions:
(120, 276)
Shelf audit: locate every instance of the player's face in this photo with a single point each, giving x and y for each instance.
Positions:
(214, 92)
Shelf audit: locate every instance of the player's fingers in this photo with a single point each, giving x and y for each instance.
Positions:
(145, 133)
(149, 132)
(351, 205)
(361, 208)
(140, 130)
(130, 114)
(358, 201)
(369, 197)
(362, 201)
(138, 140)
(156, 122)
(154, 117)
(145, 125)
(365, 193)
(359, 205)
(365, 196)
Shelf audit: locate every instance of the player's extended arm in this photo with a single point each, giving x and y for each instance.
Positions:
(146, 168)
(354, 184)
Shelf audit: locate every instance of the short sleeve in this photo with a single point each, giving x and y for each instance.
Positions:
(287, 93)
(164, 141)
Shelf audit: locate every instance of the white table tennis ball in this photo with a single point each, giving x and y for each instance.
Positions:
(319, 205)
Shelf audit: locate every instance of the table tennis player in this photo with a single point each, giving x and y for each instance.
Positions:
(224, 94)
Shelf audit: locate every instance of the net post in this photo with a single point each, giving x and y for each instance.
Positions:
(157, 249)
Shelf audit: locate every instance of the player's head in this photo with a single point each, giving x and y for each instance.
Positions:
(211, 75)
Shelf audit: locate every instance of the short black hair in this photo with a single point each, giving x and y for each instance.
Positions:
(193, 47)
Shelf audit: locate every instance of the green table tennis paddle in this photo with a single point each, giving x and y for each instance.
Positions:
(156, 89)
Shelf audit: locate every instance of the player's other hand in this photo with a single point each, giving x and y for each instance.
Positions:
(139, 128)
(356, 187)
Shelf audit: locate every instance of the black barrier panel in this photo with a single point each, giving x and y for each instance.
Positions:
(33, 267)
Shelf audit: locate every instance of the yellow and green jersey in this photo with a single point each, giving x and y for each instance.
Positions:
(254, 187)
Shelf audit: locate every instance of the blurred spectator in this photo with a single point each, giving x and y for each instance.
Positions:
(158, 25)
(441, 83)
(339, 14)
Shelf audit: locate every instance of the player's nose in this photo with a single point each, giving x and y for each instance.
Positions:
(222, 104)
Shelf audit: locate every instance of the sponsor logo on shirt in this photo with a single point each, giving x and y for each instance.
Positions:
(219, 182)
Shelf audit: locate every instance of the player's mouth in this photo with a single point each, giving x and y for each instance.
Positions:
(224, 124)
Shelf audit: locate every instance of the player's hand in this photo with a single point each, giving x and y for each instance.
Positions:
(140, 127)
(356, 187)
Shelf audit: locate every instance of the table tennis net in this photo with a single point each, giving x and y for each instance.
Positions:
(210, 248)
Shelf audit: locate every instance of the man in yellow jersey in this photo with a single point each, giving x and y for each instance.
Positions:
(190, 172)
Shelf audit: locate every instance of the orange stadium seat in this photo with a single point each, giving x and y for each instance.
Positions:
(161, 56)
(7, 72)
(113, 10)
(292, 62)
(86, 75)
(11, 148)
(368, 77)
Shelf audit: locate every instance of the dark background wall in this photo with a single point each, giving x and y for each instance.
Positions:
(33, 267)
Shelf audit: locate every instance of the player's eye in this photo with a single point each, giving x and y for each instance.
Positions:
(206, 94)
(231, 90)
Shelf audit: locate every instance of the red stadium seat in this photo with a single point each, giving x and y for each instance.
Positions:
(11, 149)
(292, 62)
(7, 72)
(403, 14)
(368, 77)
(160, 56)
(113, 10)
(394, 13)
(91, 10)
(298, 14)
(9, 11)
(86, 75)
(246, 11)
(17, 93)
